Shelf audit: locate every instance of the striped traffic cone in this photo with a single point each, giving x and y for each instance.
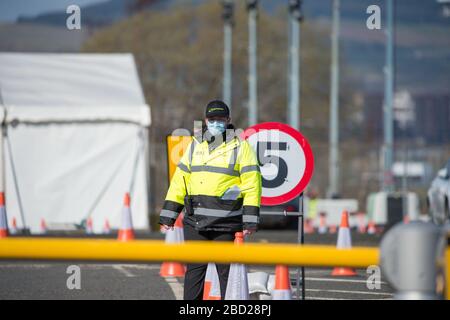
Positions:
(361, 222)
(174, 269)
(344, 242)
(106, 227)
(333, 229)
(89, 227)
(13, 229)
(371, 229)
(309, 228)
(211, 288)
(3, 221)
(322, 223)
(406, 219)
(126, 232)
(43, 227)
(237, 286)
(282, 290)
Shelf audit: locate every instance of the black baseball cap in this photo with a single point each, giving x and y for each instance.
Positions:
(217, 108)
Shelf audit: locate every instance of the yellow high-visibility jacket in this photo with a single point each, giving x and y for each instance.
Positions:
(207, 175)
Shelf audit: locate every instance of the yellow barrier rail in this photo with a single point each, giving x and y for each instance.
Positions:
(447, 272)
(192, 251)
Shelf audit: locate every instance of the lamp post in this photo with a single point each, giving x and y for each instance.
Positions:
(334, 105)
(295, 16)
(228, 8)
(252, 8)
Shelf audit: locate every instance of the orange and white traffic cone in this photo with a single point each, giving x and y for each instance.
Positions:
(333, 229)
(174, 269)
(344, 242)
(322, 223)
(211, 288)
(89, 227)
(126, 232)
(3, 221)
(361, 222)
(309, 228)
(237, 286)
(371, 229)
(406, 219)
(106, 227)
(13, 229)
(43, 227)
(282, 290)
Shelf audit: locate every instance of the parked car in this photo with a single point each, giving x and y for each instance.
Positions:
(439, 195)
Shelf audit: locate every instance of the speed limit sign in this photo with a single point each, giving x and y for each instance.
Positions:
(285, 158)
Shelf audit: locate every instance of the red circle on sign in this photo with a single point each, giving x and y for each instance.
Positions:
(309, 160)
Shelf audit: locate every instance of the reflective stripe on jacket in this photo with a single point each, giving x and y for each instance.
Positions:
(207, 176)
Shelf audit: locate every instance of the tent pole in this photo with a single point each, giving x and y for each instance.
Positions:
(147, 176)
(2, 150)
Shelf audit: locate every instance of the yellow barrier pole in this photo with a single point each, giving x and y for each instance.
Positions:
(192, 251)
(447, 271)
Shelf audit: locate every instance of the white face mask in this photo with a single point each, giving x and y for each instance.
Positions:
(216, 127)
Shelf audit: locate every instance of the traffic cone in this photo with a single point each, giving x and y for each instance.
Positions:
(3, 221)
(344, 242)
(309, 228)
(211, 288)
(361, 222)
(371, 229)
(126, 231)
(43, 226)
(333, 229)
(174, 269)
(89, 228)
(282, 290)
(13, 229)
(237, 286)
(406, 219)
(322, 224)
(106, 227)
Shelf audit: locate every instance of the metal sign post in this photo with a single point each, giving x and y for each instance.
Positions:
(282, 147)
(301, 241)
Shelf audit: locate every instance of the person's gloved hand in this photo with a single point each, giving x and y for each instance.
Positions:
(248, 232)
(166, 227)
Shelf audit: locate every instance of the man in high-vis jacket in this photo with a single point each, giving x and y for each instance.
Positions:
(218, 183)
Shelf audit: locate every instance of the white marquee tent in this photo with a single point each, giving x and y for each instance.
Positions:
(76, 139)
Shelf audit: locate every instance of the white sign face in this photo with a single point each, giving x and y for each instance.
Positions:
(285, 159)
(282, 161)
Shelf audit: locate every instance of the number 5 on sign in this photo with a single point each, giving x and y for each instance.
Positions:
(285, 158)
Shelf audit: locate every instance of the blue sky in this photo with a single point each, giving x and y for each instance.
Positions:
(11, 9)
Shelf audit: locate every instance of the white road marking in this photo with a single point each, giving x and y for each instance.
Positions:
(352, 292)
(26, 266)
(338, 280)
(323, 298)
(121, 269)
(128, 266)
(176, 286)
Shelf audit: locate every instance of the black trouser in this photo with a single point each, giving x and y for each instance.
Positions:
(194, 278)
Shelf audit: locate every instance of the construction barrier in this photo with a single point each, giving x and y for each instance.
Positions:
(192, 251)
(447, 271)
